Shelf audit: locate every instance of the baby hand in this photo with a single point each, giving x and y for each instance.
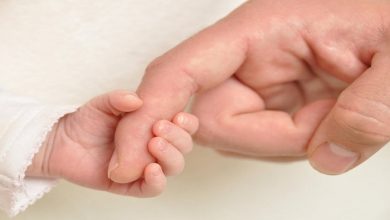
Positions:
(81, 144)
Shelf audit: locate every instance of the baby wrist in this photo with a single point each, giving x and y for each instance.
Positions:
(41, 165)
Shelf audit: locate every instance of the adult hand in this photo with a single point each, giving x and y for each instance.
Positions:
(275, 78)
(305, 61)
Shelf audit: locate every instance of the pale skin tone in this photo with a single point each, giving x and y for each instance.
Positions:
(274, 78)
(80, 146)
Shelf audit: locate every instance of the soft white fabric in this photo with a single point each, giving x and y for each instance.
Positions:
(24, 125)
(68, 51)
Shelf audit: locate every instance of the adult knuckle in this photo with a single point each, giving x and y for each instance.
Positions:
(154, 64)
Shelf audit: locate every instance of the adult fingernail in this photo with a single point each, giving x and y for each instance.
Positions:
(334, 159)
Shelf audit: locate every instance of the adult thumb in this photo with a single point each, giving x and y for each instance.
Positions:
(359, 123)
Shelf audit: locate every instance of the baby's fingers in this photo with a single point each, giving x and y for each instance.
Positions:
(170, 158)
(187, 121)
(172, 141)
(116, 102)
(153, 184)
(179, 137)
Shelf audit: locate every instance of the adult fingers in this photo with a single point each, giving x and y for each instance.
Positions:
(238, 122)
(201, 62)
(359, 124)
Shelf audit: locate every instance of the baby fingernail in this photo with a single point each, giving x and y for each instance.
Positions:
(163, 127)
(182, 119)
(162, 145)
(131, 98)
(333, 159)
(111, 169)
(156, 171)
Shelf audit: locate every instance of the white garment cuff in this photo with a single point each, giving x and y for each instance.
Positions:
(33, 124)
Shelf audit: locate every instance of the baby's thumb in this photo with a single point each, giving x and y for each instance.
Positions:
(358, 125)
(116, 102)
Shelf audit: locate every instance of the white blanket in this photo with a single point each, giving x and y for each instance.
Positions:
(64, 52)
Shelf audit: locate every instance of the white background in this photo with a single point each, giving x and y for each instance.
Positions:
(66, 52)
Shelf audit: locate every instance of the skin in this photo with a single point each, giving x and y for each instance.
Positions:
(274, 78)
(80, 146)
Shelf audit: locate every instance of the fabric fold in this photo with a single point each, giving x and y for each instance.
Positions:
(24, 125)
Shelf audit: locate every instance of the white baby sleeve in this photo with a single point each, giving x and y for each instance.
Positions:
(24, 125)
